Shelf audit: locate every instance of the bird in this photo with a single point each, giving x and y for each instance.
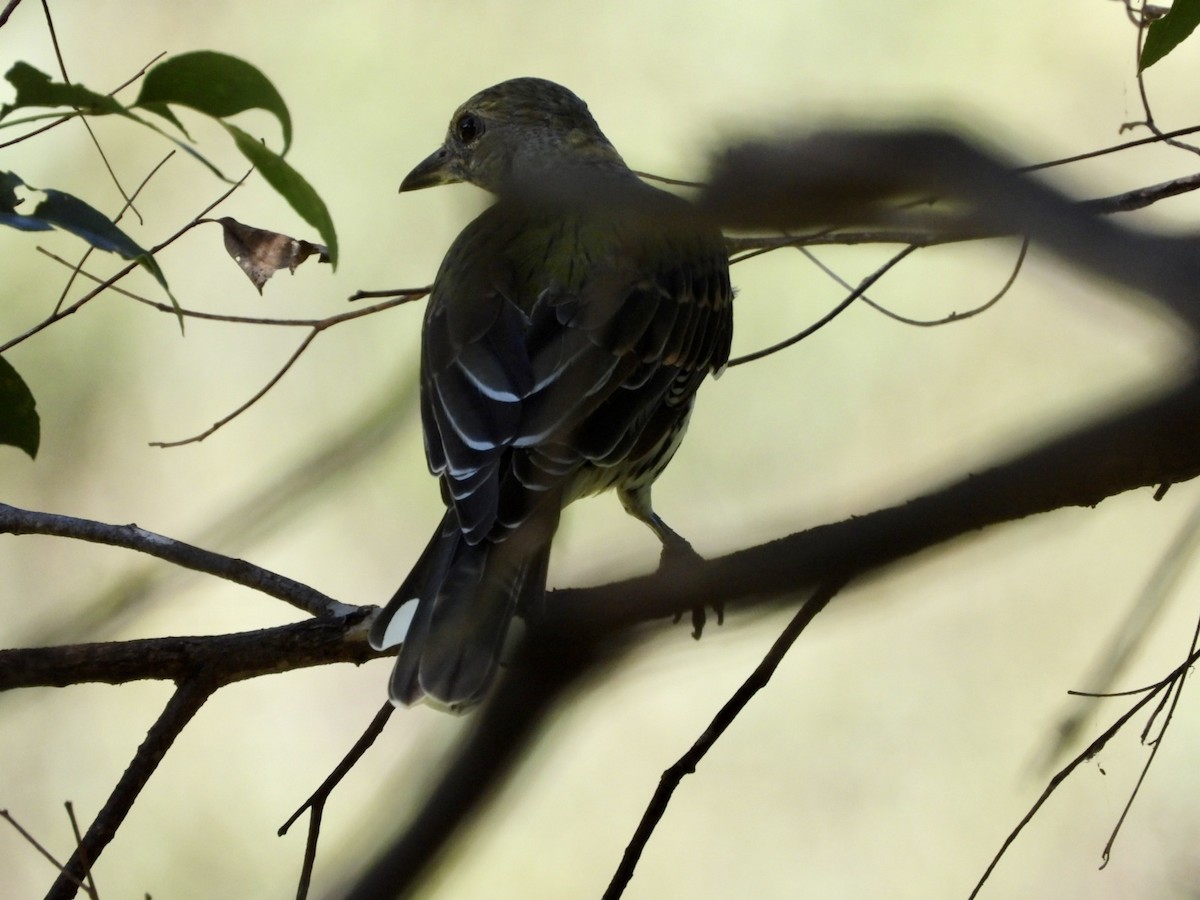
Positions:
(566, 333)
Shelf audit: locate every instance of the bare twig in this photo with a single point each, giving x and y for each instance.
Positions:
(40, 848)
(400, 295)
(1083, 756)
(136, 75)
(831, 315)
(77, 268)
(686, 764)
(62, 68)
(89, 885)
(258, 395)
(317, 801)
(404, 294)
(952, 317)
(317, 328)
(1174, 692)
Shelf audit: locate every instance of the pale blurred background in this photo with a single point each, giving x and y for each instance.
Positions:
(897, 745)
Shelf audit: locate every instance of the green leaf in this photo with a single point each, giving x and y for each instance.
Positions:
(290, 185)
(20, 426)
(212, 83)
(71, 214)
(35, 88)
(59, 209)
(1167, 33)
(215, 84)
(165, 112)
(9, 182)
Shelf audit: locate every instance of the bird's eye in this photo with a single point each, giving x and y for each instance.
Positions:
(468, 128)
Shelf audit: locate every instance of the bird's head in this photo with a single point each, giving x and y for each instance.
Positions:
(513, 134)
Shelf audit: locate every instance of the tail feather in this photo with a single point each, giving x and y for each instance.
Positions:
(465, 597)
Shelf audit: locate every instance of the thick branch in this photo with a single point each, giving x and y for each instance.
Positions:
(1129, 201)
(1155, 444)
(1151, 445)
(183, 705)
(1158, 443)
(222, 658)
(547, 664)
(846, 179)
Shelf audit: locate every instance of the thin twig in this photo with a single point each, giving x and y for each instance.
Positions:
(90, 886)
(1175, 692)
(78, 267)
(1086, 754)
(62, 68)
(944, 320)
(406, 295)
(686, 765)
(831, 315)
(316, 802)
(317, 329)
(39, 847)
(400, 293)
(136, 75)
(258, 395)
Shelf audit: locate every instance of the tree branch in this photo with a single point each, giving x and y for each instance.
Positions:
(22, 521)
(183, 705)
(223, 658)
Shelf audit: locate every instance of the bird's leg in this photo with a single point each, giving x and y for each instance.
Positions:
(677, 552)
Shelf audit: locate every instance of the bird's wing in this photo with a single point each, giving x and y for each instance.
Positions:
(525, 382)
(661, 320)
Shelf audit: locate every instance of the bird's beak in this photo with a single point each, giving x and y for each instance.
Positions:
(435, 169)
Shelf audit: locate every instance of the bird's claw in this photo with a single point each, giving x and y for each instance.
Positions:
(679, 554)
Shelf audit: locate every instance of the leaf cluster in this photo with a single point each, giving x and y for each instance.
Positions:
(212, 84)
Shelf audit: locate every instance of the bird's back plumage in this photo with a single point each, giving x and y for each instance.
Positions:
(564, 339)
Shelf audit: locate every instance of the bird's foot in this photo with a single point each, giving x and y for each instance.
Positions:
(677, 555)
(700, 617)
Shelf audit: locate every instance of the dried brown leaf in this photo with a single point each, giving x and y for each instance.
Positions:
(262, 253)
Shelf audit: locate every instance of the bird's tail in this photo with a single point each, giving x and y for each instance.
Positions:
(452, 613)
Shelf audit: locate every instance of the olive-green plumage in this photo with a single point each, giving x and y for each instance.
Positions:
(567, 332)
